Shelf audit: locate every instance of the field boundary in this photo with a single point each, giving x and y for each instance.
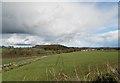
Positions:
(12, 65)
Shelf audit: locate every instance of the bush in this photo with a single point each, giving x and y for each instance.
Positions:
(106, 78)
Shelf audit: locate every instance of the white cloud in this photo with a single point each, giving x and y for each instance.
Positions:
(112, 35)
(22, 39)
(65, 23)
(79, 40)
(103, 39)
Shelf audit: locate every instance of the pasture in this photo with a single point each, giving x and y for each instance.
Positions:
(10, 60)
(65, 66)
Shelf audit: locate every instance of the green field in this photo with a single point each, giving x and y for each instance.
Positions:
(48, 68)
(10, 60)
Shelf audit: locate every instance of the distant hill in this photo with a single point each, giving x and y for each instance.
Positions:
(52, 47)
(56, 47)
(41, 50)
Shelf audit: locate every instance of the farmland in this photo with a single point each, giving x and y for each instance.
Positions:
(9, 60)
(77, 65)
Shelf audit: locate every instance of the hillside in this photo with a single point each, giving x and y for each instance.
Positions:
(41, 50)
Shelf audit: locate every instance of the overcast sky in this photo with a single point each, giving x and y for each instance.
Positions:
(72, 24)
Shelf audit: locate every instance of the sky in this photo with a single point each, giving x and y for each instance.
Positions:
(74, 24)
(60, 0)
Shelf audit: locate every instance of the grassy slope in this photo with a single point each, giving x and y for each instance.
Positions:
(81, 60)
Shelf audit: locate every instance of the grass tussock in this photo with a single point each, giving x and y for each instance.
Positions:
(110, 75)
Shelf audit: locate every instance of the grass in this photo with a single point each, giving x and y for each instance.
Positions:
(9, 60)
(76, 64)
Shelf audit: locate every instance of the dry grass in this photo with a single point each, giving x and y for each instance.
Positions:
(110, 75)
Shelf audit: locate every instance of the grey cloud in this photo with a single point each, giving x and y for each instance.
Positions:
(22, 19)
(55, 22)
(51, 18)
